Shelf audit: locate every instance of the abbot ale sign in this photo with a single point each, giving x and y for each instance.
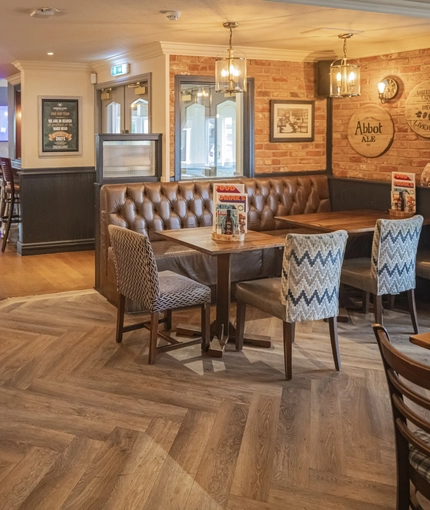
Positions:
(371, 131)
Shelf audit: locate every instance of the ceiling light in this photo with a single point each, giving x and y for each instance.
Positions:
(388, 89)
(45, 12)
(171, 15)
(50, 53)
(230, 72)
(345, 74)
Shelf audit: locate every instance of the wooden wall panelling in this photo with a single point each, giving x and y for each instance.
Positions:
(57, 210)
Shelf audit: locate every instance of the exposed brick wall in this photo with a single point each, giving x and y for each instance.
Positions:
(273, 80)
(409, 152)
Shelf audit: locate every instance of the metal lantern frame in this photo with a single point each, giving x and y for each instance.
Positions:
(230, 72)
(345, 74)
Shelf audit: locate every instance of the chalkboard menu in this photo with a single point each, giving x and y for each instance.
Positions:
(60, 125)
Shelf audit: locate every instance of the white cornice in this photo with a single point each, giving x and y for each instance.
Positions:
(417, 8)
(22, 65)
(14, 79)
(206, 50)
(152, 50)
(199, 50)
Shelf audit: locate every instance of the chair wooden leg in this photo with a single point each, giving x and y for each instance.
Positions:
(366, 301)
(413, 310)
(11, 206)
(240, 323)
(332, 322)
(153, 335)
(168, 320)
(377, 303)
(120, 318)
(289, 329)
(206, 330)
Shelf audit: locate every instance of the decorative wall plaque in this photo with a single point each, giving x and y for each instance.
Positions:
(60, 126)
(371, 131)
(417, 109)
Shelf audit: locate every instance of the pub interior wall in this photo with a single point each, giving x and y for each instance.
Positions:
(273, 80)
(409, 152)
(54, 82)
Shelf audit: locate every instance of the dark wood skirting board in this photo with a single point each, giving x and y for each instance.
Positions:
(57, 210)
(55, 247)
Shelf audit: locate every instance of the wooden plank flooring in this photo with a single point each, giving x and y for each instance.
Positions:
(87, 424)
(44, 274)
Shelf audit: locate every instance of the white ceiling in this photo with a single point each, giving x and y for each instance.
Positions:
(93, 30)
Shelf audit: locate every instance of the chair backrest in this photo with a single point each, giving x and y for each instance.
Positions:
(135, 266)
(311, 275)
(6, 168)
(394, 253)
(410, 414)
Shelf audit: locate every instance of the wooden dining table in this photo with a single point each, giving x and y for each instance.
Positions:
(354, 221)
(421, 339)
(200, 239)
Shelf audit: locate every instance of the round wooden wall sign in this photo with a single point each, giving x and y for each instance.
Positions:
(371, 131)
(417, 109)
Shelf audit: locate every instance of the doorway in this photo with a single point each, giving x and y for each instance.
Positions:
(125, 108)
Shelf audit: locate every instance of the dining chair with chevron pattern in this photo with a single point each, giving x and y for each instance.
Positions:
(307, 290)
(391, 268)
(159, 293)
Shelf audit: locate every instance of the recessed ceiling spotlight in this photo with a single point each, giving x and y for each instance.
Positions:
(171, 15)
(45, 12)
(50, 53)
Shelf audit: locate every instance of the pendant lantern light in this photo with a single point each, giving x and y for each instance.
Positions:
(345, 74)
(230, 72)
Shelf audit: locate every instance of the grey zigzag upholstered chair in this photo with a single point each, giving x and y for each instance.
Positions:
(308, 289)
(138, 279)
(408, 378)
(391, 268)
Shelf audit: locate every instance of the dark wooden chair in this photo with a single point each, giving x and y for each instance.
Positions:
(10, 207)
(407, 381)
(159, 292)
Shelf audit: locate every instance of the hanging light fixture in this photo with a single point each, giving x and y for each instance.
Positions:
(345, 74)
(230, 72)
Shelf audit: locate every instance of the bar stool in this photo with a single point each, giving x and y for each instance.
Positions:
(2, 201)
(10, 199)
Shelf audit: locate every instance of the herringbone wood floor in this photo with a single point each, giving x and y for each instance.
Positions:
(87, 424)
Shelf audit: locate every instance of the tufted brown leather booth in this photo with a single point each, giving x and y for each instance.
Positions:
(152, 206)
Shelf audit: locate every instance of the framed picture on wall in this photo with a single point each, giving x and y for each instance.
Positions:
(292, 121)
(60, 120)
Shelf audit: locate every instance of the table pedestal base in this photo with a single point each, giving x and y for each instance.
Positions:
(219, 339)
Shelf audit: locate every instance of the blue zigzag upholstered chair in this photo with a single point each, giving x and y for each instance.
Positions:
(391, 269)
(138, 279)
(308, 289)
(407, 381)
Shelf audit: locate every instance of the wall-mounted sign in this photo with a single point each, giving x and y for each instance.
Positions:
(417, 109)
(60, 120)
(120, 69)
(371, 131)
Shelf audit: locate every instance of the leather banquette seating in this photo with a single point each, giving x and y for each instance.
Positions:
(153, 206)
